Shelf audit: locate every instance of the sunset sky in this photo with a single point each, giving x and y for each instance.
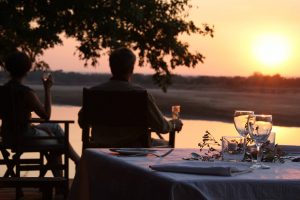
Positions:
(250, 36)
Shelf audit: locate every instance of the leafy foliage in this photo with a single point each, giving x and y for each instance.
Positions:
(209, 142)
(152, 28)
(271, 153)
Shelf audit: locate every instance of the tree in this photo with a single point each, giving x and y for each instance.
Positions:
(149, 27)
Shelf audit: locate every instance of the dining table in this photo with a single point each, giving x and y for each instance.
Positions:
(108, 175)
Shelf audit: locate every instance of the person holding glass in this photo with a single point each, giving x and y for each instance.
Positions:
(18, 64)
(121, 62)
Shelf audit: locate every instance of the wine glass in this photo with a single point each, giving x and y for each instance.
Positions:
(46, 75)
(240, 119)
(260, 127)
(175, 114)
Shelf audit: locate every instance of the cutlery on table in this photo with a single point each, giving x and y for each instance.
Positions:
(194, 156)
(162, 155)
(152, 153)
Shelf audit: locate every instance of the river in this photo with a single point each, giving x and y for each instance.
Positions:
(191, 133)
(189, 137)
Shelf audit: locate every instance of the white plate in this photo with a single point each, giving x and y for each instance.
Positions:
(132, 151)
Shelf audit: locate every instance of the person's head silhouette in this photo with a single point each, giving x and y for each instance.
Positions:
(121, 62)
(17, 64)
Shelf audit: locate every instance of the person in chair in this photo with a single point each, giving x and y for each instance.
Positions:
(121, 62)
(24, 101)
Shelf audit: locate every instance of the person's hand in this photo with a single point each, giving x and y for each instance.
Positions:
(48, 82)
(177, 124)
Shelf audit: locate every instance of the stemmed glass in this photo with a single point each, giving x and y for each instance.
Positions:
(46, 75)
(240, 119)
(260, 127)
(175, 113)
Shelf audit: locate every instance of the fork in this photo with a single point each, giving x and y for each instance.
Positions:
(154, 154)
(162, 155)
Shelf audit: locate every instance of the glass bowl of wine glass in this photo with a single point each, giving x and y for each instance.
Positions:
(240, 119)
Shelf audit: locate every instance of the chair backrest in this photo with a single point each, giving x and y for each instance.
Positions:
(13, 115)
(115, 109)
(8, 115)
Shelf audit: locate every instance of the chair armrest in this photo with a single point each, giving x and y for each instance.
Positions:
(65, 122)
(43, 137)
(39, 120)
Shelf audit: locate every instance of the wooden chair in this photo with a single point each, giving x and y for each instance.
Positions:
(120, 109)
(13, 150)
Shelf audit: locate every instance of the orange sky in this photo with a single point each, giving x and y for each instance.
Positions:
(250, 36)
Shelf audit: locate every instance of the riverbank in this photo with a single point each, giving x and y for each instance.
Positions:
(209, 103)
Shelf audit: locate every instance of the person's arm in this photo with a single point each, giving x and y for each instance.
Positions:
(156, 120)
(37, 106)
(48, 97)
(43, 111)
(80, 118)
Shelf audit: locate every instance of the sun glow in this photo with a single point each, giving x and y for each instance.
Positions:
(271, 50)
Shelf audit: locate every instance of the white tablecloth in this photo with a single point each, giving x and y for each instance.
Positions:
(103, 175)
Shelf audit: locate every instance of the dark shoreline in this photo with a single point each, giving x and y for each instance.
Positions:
(213, 104)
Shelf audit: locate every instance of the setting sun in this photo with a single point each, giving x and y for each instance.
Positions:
(271, 50)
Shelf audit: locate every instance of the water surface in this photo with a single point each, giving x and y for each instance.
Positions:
(191, 133)
(189, 137)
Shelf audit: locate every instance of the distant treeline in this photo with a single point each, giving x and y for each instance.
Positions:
(185, 82)
(255, 80)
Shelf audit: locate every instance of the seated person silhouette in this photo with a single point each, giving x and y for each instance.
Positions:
(18, 64)
(121, 62)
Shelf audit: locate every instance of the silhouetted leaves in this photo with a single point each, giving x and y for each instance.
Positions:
(271, 152)
(208, 143)
(149, 27)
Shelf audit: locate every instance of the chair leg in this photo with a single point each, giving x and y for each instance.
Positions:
(9, 164)
(10, 170)
(43, 166)
(49, 165)
(16, 162)
(53, 161)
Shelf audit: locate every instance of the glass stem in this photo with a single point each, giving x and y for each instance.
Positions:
(245, 147)
(258, 157)
(174, 117)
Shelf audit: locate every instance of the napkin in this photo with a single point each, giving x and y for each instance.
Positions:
(216, 169)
